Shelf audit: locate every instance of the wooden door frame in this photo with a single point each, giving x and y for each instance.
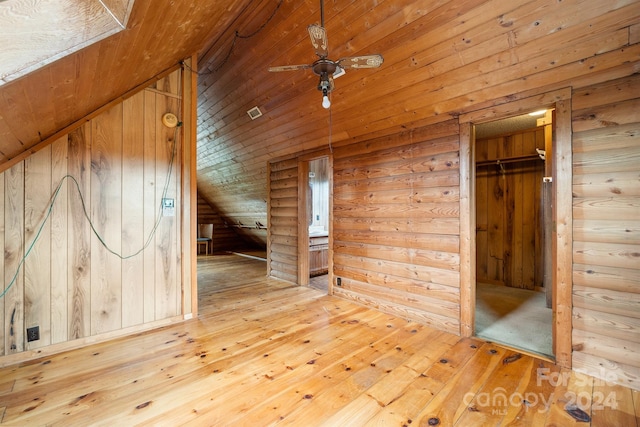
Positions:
(303, 214)
(562, 234)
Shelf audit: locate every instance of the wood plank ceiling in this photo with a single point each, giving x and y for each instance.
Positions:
(442, 58)
(159, 35)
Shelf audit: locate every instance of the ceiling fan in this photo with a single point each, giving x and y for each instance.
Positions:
(326, 68)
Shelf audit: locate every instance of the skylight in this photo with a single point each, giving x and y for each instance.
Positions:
(36, 33)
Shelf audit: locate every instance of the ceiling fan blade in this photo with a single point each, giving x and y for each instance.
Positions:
(365, 61)
(289, 67)
(319, 40)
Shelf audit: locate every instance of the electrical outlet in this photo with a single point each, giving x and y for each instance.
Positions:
(339, 281)
(33, 334)
(168, 207)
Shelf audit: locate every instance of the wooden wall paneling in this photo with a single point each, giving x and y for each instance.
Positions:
(614, 278)
(614, 372)
(402, 268)
(514, 204)
(106, 216)
(189, 183)
(37, 265)
(607, 254)
(606, 192)
(562, 239)
(331, 242)
(612, 325)
(176, 87)
(617, 160)
(469, 239)
(497, 221)
(547, 220)
(540, 208)
(530, 201)
(283, 219)
(621, 112)
(596, 184)
(4, 330)
(482, 217)
(70, 285)
(167, 260)
(388, 183)
(14, 303)
(305, 211)
(151, 203)
(132, 213)
(514, 198)
(604, 230)
(493, 271)
(606, 92)
(270, 224)
(79, 233)
(60, 241)
(609, 301)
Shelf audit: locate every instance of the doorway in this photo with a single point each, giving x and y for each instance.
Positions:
(561, 254)
(511, 201)
(318, 223)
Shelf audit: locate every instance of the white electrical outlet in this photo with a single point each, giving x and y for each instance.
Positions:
(168, 207)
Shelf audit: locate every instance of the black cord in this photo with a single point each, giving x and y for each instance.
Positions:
(236, 36)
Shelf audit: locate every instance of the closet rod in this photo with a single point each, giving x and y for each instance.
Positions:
(526, 158)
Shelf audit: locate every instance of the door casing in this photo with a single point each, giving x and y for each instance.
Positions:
(562, 238)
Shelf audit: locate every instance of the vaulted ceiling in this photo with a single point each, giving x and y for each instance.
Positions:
(158, 35)
(441, 57)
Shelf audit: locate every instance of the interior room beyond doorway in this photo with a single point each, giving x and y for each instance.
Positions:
(318, 220)
(513, 305)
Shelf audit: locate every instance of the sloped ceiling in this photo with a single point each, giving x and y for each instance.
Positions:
(34, 34)
(158, 34)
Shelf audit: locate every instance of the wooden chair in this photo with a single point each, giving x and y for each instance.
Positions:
(205, 238)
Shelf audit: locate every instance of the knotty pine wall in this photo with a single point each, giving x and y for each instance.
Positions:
(606, 229)
(282, 244)
(396, 224)
(70, 285)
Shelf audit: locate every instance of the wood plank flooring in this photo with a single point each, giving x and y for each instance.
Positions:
(265, 352)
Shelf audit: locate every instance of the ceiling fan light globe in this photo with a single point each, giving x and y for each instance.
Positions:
(325, 102)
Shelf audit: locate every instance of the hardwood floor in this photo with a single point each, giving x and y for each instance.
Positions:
(266, 352)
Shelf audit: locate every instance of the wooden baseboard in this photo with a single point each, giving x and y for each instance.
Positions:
(28, 355)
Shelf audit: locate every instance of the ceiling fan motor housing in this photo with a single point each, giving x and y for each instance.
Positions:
(324, 68)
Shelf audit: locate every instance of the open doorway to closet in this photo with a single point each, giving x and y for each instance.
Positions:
(560, 265)
(513, 213)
